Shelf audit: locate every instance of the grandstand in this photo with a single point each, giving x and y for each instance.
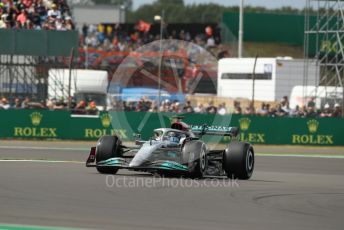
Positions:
(323, 41)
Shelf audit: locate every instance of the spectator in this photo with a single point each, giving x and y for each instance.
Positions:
(4, 103)
(263, 111)
(327, 111)
(188, 108)
(249, 109)
(84, 30)
(311, 112)
(27, 3)
(237, 108)
(279, 111)
(16, 104)
(22, 17)
(54, 12)
(295, 112)
(25, 103)
(311, 103)
(285, 104)
(272, 111)
(3, 20)
(153, 108)
(211, 108)
(210, 43)
(69, 25)
(303, 112)
(175, 107)
(60, 104)
(337, 111)
(199, 108)
(50, 104)
(222, 109)
(164, 107)
(92, 108)
(80, 108)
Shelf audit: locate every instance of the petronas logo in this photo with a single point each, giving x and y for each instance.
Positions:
(244, 123)
(36, 118)
(312, 125)
(106, 120)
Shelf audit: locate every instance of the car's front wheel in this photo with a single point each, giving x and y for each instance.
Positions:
(108, 147)
(195, 157)
(238, 160)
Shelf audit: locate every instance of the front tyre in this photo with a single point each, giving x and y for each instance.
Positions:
(108, 147)
(107, 170)
(238, 160)
(195, 157)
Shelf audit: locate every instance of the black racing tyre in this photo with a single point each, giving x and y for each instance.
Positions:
(106, 170)
(108, 147)
(238, 160)
(195, 157)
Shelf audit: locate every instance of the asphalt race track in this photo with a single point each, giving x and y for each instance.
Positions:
(54, 188)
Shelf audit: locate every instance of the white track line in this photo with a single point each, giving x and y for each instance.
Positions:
(43, 148)
(300, 155)
(327, 156)
(40, 161)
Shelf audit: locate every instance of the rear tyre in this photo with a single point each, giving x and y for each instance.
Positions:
(108, 147)
(238, 160)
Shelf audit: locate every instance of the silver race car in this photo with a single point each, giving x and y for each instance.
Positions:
(178, 150)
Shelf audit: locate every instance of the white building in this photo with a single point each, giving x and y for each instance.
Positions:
(274, 77)
(97, 14)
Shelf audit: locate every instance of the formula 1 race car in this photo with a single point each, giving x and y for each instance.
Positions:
(178, 150)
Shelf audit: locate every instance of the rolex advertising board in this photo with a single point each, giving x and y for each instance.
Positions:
(32, 124)
(248, 135)
(45, 124)
(291, 131)
(35, 129)
(313, 136)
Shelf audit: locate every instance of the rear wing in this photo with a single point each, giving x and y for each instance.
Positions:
(215, 130)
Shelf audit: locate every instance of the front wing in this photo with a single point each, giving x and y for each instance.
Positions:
(123, 163)
(160, 165)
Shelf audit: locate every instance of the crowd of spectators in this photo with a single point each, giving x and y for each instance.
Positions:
(280, 109)
(79, 108)
(35, 14)
(115, 38)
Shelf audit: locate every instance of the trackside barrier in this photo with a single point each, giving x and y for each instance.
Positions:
(45, 124)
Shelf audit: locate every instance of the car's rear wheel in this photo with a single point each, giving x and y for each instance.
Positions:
(108, 147)
(238, 160)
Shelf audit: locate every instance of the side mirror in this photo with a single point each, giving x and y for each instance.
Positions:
(137, 136)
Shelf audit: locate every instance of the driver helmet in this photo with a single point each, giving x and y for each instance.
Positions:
(173, 137)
